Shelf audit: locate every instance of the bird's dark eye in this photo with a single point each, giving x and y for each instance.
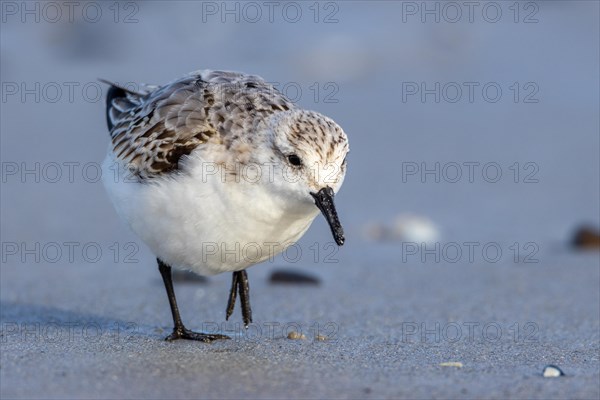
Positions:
(294, 160)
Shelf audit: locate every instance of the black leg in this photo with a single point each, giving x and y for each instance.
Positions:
(239, 283)
(244, 289)
(232, 296)
(180, 331)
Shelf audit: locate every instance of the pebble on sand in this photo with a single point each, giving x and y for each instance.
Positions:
(283, 276)
(586, 238)
(293, 335)
(321, 338)
(552, 371)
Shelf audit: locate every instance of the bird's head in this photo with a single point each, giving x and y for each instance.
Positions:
(310, 150)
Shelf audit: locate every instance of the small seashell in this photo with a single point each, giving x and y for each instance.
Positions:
(293, 335)
(321, 338)
(552, 371)
(456, 364)
(415, 228)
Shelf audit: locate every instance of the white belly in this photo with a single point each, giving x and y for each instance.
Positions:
(204, 224)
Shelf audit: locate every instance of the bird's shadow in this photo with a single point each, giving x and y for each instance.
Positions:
(40, 322)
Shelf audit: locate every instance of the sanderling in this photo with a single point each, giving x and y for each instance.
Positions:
(218, 171)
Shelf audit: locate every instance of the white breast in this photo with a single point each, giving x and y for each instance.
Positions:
(201, 223)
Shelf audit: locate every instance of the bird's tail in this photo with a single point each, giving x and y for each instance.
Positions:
(120, 99)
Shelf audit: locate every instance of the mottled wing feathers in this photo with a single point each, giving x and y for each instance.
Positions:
(153, 129)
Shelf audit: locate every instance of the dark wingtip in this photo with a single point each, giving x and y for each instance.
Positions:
(114, 92)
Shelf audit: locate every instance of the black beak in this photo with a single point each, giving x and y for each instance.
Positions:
(324, 200)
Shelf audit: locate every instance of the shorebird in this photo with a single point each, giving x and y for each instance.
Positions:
(214, 163)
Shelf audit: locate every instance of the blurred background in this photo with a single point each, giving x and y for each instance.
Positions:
(466, 124)
(385, 76)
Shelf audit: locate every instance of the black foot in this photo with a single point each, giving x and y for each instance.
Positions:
(191, 335)
(180, 331)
